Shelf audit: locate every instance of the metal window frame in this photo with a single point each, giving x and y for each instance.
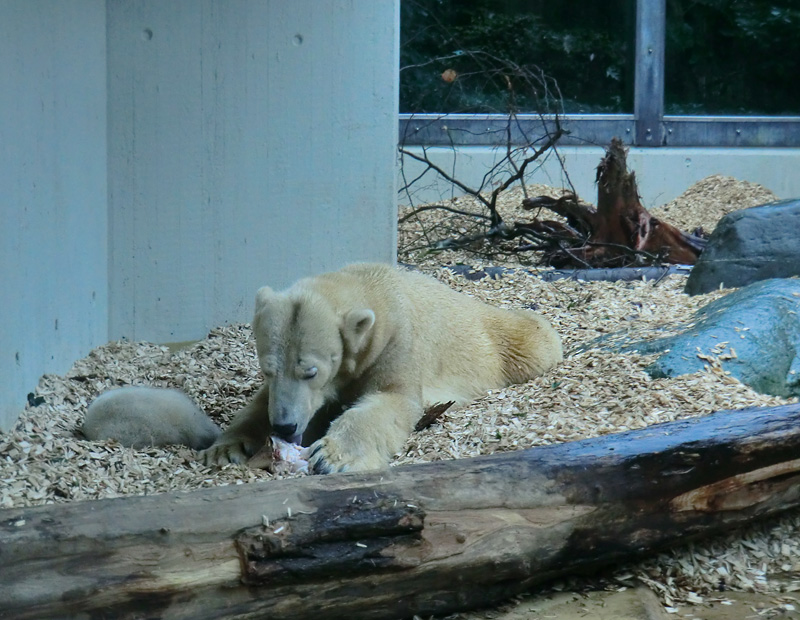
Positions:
(648, 126)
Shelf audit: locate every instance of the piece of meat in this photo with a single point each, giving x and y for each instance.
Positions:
(279, 456)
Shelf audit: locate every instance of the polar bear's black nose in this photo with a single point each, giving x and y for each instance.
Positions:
(285, 431)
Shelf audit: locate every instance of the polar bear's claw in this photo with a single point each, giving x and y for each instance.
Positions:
(317, 463)
(225, 453)
(321, 467)
(323, 458)
(329, 455)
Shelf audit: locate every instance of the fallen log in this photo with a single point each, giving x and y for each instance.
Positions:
(616, 274)
(419, 539)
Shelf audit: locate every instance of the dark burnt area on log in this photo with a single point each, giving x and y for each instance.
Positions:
(348, 535)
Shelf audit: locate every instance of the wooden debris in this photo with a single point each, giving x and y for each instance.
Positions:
(432, 414)
(707, 201)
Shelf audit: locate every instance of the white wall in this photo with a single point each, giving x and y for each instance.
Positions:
(53, 268)
(662, 173)
(159, 161)
(250, 143)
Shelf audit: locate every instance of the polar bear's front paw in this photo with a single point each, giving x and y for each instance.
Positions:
(328, 456)
(226, 450)
(319, 461)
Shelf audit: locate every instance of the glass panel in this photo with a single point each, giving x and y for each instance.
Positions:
(732, 57)
(489, 56)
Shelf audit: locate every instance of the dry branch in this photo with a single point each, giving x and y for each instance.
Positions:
(432, 414)
(620, 232)
(489, 202)
(418, 539)
(525, 85)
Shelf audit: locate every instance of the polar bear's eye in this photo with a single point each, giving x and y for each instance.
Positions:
(310, 373)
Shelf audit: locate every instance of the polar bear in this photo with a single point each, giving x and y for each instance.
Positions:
(351, 358)
(140, 416)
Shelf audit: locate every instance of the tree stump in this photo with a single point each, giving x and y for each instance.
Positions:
(619, 233)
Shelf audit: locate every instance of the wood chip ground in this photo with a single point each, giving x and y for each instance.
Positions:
(43, 460)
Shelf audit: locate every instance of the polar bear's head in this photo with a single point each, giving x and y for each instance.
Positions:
(305, 349)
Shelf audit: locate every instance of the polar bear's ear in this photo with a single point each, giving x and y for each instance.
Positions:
(263, 294)
(357, 324)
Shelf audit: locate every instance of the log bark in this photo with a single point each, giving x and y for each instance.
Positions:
(420, 539)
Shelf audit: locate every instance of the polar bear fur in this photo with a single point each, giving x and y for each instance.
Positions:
(144, 416)
(378, 343)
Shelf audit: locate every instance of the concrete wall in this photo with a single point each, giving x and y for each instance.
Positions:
(662, 173)
(53, 267)
(159, 161)
(250, 143)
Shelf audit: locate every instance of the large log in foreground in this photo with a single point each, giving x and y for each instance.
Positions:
(419, 539)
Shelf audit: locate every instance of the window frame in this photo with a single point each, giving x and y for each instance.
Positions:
(648, 126)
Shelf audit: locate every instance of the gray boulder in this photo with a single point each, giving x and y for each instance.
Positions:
(748, 246)
(760, 323)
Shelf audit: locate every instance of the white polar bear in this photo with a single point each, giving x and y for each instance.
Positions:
(374, 344)
(139, 416)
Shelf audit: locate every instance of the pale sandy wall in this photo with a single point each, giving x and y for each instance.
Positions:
(662, 173)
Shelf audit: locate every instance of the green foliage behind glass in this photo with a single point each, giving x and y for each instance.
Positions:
(733, 57)
(583, 47)
(722, 56)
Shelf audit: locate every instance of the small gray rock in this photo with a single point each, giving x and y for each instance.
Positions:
(748, 246)
(761, 322)
(145, 416)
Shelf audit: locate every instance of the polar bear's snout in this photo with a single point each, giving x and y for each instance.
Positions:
(285, 431)
(288, 423)
(292, 404)
(288, 417)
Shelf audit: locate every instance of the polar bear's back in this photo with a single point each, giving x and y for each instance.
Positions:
(462, 345)
(143, 416)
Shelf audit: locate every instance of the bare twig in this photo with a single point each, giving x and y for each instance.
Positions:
(510, 169)
(445, 175)
(424, 208)
(520, 171)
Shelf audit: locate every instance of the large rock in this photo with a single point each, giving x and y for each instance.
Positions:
(761, 326)
(750, 245)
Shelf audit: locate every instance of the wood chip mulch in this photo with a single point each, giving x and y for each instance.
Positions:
(43, 460)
